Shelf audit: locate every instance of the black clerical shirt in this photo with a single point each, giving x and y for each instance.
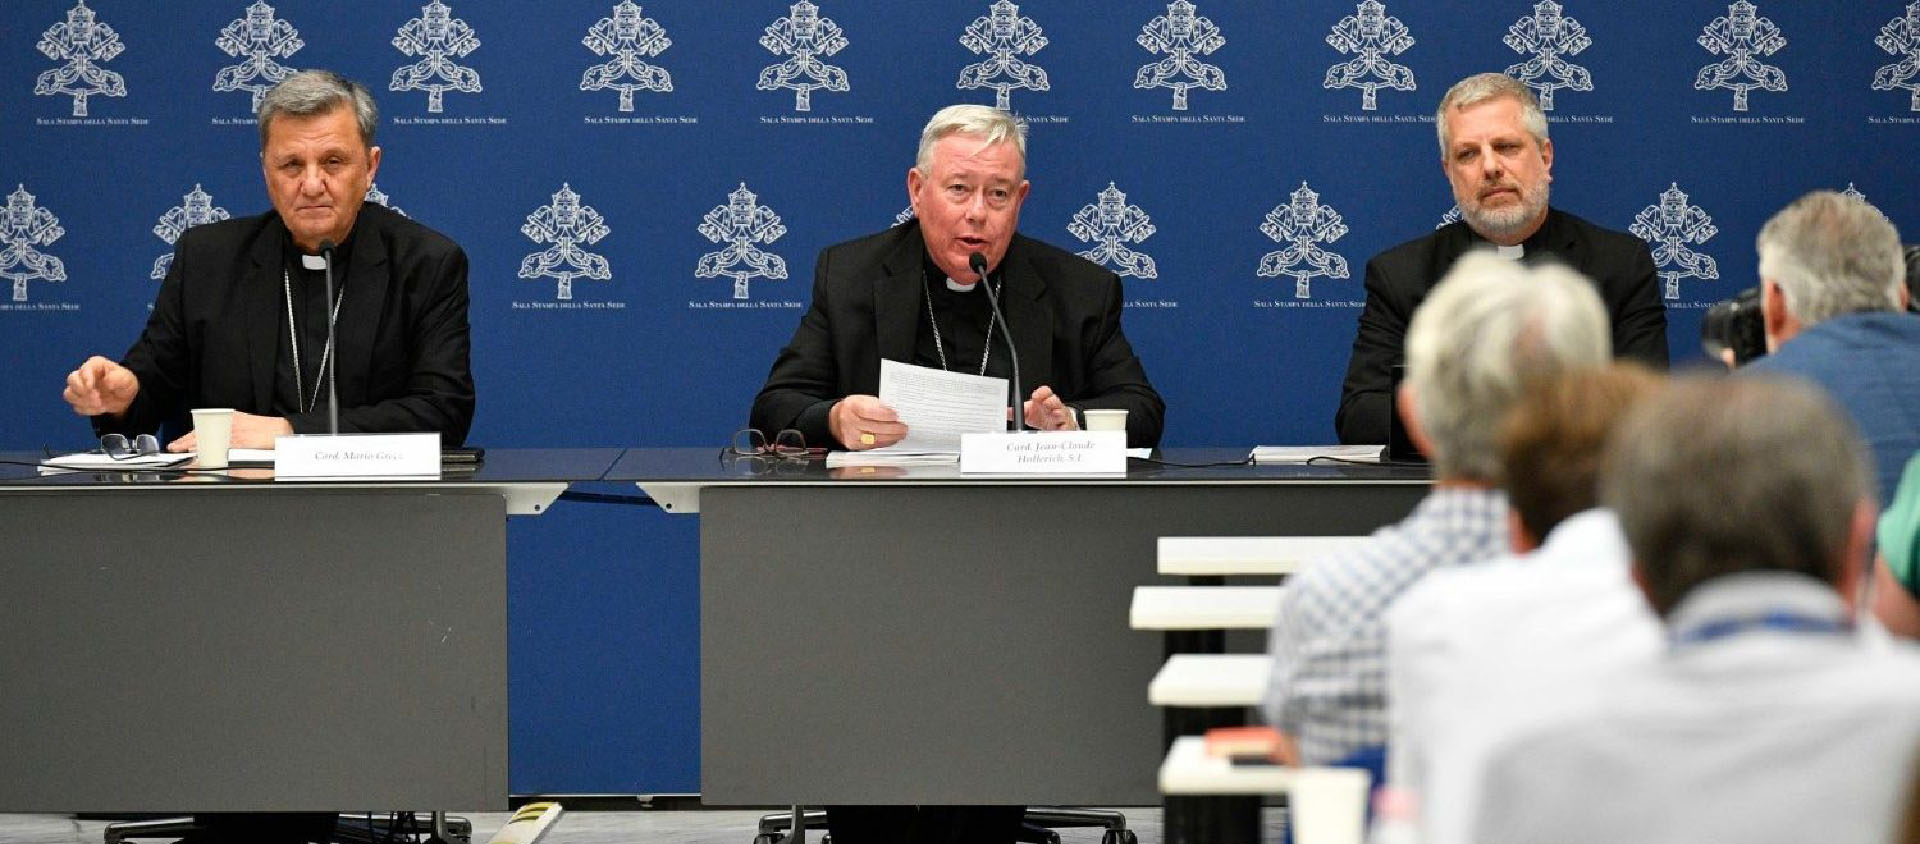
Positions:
(310, 309)
(963, 316)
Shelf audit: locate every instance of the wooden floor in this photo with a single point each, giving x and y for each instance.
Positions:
(678, 826)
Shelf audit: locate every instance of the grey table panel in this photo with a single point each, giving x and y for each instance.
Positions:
(502, 467)
(956, 643)
(292, 650)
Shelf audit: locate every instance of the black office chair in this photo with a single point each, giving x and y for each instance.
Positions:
(1037, 827)
(348, 829)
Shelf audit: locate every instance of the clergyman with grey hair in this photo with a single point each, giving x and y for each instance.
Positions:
(1769, 715)
(241, 320)
(1833, 301)
(1489, 331)
(911, 294)
(1497, 157)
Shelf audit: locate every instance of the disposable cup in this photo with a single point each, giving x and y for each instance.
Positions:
(213, 431)
(1105, 420)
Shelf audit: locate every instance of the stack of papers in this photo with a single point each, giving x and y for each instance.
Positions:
(884, 457)
(1265, 455)
(95, 461)
(938, 408)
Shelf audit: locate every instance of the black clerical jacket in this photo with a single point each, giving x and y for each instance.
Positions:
(1062, 310)
(218, 330)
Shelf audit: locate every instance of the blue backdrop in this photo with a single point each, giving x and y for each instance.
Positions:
(641, 194)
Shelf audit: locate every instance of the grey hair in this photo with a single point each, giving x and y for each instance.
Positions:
(1718, 476)
(1480, 88)
(312, 92)
(1487, 330)
(1832, 254)
(989, 124)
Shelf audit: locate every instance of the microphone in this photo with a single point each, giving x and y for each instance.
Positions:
(333, 360)
(978, 263)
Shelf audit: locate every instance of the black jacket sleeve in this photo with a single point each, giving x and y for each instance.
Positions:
(1115, 379)
(804, 383)
(1639, 315)
(161, 358)
(1378, 344)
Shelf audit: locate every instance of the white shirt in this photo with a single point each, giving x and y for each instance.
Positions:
(1476, 653)
(1758, 734)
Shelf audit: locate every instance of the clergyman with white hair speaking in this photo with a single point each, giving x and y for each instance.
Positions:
(911, 294)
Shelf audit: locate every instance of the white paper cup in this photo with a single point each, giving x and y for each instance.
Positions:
(1105, 420)
(213, 431)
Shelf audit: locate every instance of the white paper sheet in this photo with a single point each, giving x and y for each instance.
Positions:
(888, 457)
(87, 461)
(1264, 455)
(939, 406)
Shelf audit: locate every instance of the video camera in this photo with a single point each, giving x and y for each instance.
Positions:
(1735, 324)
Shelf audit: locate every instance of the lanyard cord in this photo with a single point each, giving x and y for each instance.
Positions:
(1784, 621)
(293, 338)
(939, 343)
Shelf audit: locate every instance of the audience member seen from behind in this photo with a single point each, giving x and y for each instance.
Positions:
(1897, 574)
(1488, 330)
(1459, 674)
(1497, 157)
(1749, 509)
(1833, 298)
(241, 319)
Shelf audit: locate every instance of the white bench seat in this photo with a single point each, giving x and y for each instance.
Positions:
(1211, 680)
(1203, 607)
(1193, 556)
(1328, 805)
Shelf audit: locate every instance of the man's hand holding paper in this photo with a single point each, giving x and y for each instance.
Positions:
(937, 407)
(864, 422)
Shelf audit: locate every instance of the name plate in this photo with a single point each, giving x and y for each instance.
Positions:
(1045, 453)
(360, 456)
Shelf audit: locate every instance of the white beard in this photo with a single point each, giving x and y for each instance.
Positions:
(1505, 222)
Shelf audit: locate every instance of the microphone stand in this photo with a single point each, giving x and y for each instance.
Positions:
(978, 263)
(333, 360)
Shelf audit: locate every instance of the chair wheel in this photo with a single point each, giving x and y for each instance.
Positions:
(1119, 836)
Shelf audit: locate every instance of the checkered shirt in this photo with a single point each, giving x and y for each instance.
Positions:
(1329, 685)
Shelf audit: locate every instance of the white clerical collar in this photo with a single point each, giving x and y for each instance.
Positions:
(957, 287)
(313, 262)
(1511, 253)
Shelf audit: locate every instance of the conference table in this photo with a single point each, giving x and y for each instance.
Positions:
(227, 642)
(916, 635)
